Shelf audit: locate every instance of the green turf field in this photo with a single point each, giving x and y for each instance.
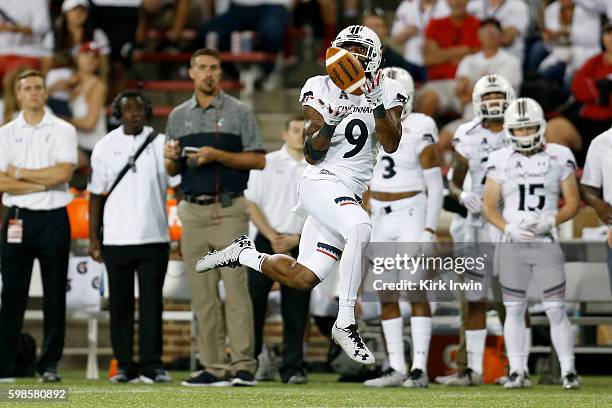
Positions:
(321, 391)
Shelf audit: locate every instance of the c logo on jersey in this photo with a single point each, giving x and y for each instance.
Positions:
(307, 96)
(333, 252)
(342, 201)
(428, 137)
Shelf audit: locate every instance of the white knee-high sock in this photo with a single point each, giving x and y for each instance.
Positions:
(394, 340)
(514, 335)
(475, 345)
(561, 335)
(350, 273)
(420, 327)
(252, 258)
(526, 347)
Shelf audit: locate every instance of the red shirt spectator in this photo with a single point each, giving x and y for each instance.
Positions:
(585, 89)
(447, 32)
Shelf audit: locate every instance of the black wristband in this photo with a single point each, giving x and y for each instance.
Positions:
(380, 111)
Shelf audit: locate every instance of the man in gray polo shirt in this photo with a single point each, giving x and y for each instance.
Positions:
(214, 143)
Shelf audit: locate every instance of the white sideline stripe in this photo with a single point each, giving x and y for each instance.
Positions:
(335, 57)
(356, 85)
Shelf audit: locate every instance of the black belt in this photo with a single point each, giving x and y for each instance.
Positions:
(212, 199)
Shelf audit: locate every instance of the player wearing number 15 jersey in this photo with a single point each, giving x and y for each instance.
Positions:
(527, 177)
(339, 146)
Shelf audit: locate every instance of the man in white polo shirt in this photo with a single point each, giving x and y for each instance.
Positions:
(596, 183)
(38, 153)
(135, 235)
(271, 194)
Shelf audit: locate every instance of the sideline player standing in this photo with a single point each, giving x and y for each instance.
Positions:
(474, 141)
(339, 146)
(402, 213)
(527, 177)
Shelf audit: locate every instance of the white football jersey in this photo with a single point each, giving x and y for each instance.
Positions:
(351, 154)
(530, 183)
(475, 143)
(401, 171)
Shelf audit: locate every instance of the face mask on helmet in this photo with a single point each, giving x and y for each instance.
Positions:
(365, 38)
(526, 141)
(492, 108)
(524, 125)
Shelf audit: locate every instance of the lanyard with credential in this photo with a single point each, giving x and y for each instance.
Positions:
(14, 232)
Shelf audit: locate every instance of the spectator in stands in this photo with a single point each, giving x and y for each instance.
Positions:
(447, 41)
(22, 27)
(87, 100)
(268, 18)
(513, 16)
(34, 183)
(411, 18)
(597, 6)
(596, 184)
(571, 35)
(592, 88)
(227, 143)
(278, 231)
(376, 20)
(119, 20)
(74, 28)
(152, 10)
(10, 106)
(135, 235)
(493, 59)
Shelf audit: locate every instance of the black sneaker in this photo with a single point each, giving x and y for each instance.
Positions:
(122, 377)
(159, 375)
(205, 379)
(294, 376)
(243, 378)
(50, 377)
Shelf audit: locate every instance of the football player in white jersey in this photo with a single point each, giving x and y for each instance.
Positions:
(473, 142)
(401, 212)
(527, 177)
(339, 146)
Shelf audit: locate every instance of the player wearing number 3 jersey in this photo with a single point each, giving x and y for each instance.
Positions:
(340, 145)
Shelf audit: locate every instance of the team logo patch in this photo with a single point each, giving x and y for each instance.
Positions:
(342, 201)
(329, 250)
(401, 98)
(428, 137)
(307, 96)
(343, 95)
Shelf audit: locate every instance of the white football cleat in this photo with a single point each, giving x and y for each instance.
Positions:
(468, 378)
(350, 341)
(417, 378)
(517, 380)
(224, 257)
(571, 381)
(389, 378)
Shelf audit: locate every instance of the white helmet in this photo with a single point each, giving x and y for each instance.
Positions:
(364, 36)
(522, 113)
(494, 108)
(403, 77)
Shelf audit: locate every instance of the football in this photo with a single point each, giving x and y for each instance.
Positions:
(345, 70)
